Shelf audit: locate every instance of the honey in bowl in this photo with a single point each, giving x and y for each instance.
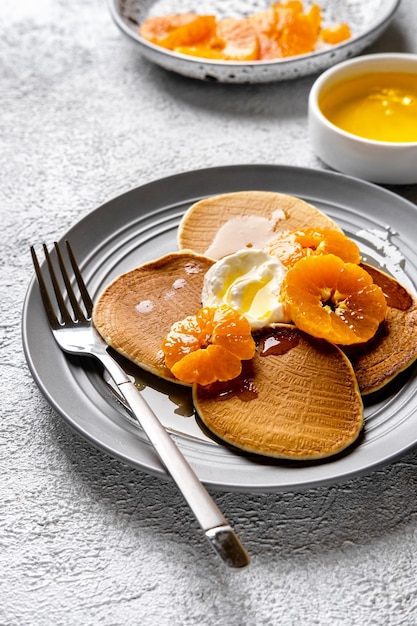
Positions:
(380, 106)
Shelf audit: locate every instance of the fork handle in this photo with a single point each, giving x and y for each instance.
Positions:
(217, 529)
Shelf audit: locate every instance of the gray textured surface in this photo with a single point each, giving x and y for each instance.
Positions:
(85, 539)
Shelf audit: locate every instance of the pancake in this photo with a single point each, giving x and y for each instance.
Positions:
(394, 347)
(296, 399)
(223, 224)
(135, 312)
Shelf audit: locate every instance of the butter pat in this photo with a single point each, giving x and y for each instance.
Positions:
(250, 282)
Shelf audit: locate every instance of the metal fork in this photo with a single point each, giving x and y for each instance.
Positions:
(75, 334)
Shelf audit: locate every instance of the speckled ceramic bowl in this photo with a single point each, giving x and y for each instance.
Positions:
(383, 162)
(367, 19)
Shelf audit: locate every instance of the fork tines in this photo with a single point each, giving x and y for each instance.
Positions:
(66, 317)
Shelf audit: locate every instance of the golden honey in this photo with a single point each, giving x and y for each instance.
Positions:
(379, 106)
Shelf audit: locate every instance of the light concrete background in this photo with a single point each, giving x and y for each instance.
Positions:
(85, 539)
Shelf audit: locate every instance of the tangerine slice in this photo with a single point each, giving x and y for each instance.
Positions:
(296, 6)
(157, 28)
(208, 365)
(208, 346)
(203, 51)
(268, 47)
(335, 34)
(314, 15)
(290, 247)
(240, 40)
(264, 22)
(298, 34)
(333, 300)
(172, 31)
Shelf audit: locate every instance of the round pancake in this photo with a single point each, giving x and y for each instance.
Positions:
(298, 398)
(135, 312)
(223, 224)
(394, 347)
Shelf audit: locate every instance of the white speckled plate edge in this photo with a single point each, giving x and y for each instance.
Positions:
(141, 225)
(368, 18)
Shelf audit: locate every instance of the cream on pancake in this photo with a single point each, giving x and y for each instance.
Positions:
(223, 224)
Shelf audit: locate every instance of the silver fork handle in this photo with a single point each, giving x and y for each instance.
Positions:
(217, 529)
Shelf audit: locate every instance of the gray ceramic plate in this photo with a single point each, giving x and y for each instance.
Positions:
(366, 18)
(141, 225)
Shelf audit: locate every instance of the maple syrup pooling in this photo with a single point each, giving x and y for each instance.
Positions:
(277, 341)
(270, 342)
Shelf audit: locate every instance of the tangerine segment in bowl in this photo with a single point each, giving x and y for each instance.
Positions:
(334, 300)
(238, 40)
(208, 346)
(290, 247)
(335, 34)
(285, 29)
(296, 399)
(297, 32)
(181, 29)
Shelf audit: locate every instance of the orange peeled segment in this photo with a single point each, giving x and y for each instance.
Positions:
(264, 22)
(238, 39)
(290, 247)
(296, 6)
(335, 34)
(299, 32)
(209, 346)
(203, 51)
(231, 39)
(314, 16)
(172, 31)
(269, 47)
(333, 300)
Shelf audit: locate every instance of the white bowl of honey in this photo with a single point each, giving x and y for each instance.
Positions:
(363, 118)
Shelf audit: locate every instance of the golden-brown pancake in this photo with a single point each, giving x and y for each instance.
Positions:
(223, 224)
(394, 347)
(136, 311)
(296, 399)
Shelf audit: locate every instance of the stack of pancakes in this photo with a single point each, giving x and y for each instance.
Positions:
(299, 398)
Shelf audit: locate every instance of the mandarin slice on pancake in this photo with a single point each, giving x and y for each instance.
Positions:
(208, 346)
(333, 300)
(394, 347)
(289, 247)
(137, 309)
(296, 399)
(223, 224)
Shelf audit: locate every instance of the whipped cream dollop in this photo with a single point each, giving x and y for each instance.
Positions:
(250, 282)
